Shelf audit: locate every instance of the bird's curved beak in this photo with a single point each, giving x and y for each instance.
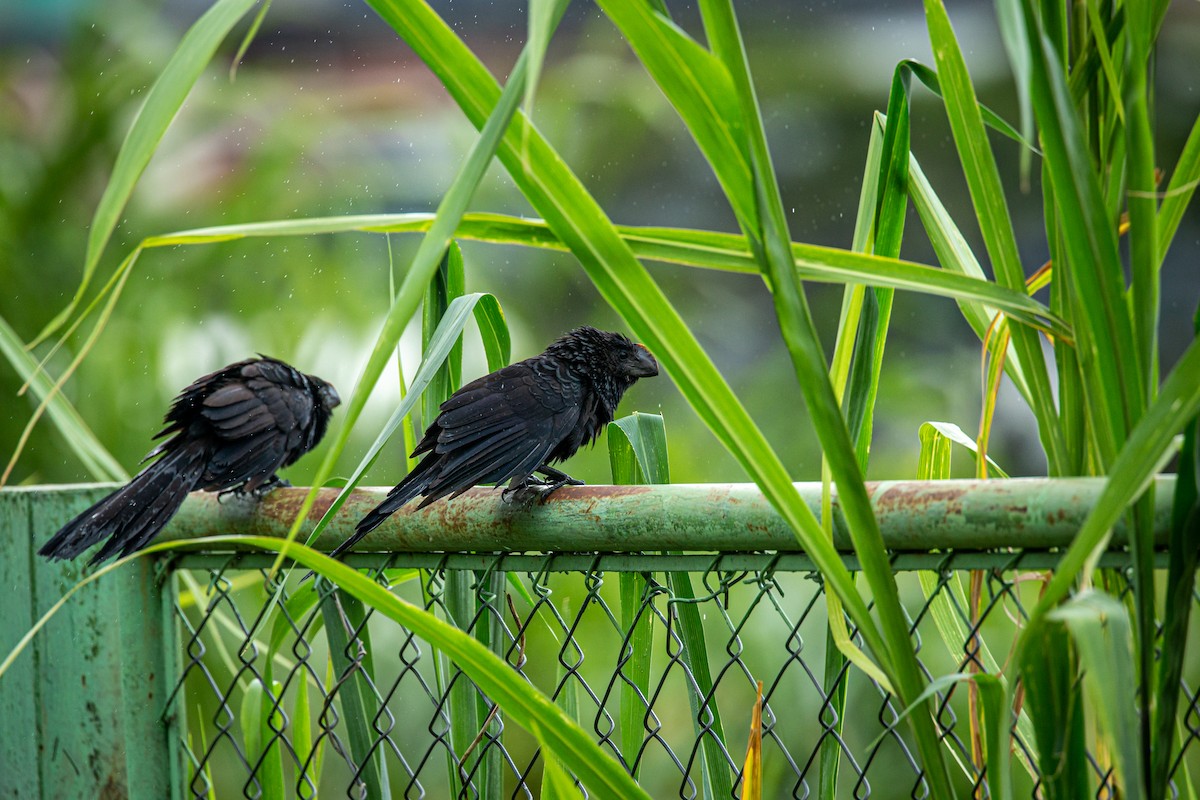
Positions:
(330, 396)
(644, 364)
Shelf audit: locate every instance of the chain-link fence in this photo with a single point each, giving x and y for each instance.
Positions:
(656, 656)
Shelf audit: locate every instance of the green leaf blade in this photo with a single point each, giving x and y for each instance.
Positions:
(163, 102)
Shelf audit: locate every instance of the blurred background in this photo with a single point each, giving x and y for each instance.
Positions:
(331, 114)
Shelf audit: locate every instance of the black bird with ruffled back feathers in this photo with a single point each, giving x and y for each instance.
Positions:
(229, 431)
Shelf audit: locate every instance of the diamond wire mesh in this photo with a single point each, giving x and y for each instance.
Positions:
(271, 714)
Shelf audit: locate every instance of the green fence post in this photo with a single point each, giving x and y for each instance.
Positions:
(19, 775)
(83, 706)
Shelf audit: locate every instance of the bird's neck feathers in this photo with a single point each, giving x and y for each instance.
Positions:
(610, 388)
(595, 356)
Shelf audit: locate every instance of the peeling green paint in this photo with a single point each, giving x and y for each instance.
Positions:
(82, 708)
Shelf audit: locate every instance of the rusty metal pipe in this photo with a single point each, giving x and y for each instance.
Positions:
(1031, 513)
(913, 515)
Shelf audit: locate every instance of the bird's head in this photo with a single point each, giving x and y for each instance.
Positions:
(607, 358)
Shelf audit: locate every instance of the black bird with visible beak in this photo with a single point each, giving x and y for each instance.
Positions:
(519, 420)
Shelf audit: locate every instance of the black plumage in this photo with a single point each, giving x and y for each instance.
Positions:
(229, 431)
(519, 420)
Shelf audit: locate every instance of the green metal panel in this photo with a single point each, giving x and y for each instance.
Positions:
(19, 774)
(148, 673)
(83, 706)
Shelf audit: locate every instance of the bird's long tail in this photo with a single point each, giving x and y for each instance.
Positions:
(415, 483)
(132, 515)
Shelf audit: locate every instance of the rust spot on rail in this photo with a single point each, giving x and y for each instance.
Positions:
(284, 504)
(915, 496)
(598, 492)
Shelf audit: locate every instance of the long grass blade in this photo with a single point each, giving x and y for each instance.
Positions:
(702, 698)
(163, 102)
(1182, 186)
(859, 314)
(260, 719)
(1049, 668)
(840, 649)
(701, 90)
(53, 393)
(636, 661)
(354, 666)
(990, 118)
(1177, 403)
(951, 433)
(1073, 409)
(637, 454)
(887, 221)
(1103, 637)
(1108, 357)
(696, 248)
(638, 450)
(448, 284)
(1183, 558)
(1012, 32)
(307, 774)
(955, 255)
(983, 181)
(248, 39)
(808, 360)
(78, 436)
(429, 254)
(933, 463)
(1116, 330)
(468, 711)
(991, 696)
(579, 222)
(557, 784)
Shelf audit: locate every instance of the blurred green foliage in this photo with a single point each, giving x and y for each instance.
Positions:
(330, 115)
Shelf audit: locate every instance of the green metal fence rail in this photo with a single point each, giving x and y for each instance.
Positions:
(149, 684)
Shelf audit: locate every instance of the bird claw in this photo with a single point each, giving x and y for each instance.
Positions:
(550, 488)
(523, 494)
(533, 489)
(258, 492)
(264, 489)
(556, 480)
